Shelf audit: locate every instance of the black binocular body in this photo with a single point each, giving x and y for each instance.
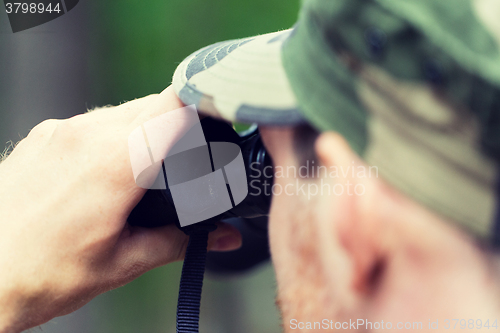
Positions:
(157, 207)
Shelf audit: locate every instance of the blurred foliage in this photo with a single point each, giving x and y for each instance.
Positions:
(134, 49)
(148, 304)
(137, 45)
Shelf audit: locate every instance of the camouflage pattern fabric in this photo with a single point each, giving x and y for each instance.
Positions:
(413, 85)
(416, 92)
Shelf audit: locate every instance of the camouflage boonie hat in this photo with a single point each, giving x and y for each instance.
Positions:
(413, 85)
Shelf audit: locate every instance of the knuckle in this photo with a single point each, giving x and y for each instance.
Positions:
(74, 123)
(74, 127)
(46, 127)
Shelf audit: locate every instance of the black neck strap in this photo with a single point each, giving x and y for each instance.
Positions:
(193, 270)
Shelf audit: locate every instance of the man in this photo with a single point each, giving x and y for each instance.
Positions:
(397, 102)
(411, 87)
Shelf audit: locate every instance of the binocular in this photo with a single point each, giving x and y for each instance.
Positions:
(157, 207)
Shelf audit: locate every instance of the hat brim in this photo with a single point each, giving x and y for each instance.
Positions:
(240, 81)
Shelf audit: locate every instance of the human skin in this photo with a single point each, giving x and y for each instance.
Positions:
(378, 256)
(66, 192)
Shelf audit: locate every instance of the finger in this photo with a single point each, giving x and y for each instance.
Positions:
(143, 249)
(166, 101)
(156, 130)
(225, 238)
(128, 111)
(139, 110)
(121, 115)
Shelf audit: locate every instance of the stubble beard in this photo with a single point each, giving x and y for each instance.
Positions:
(305, 292)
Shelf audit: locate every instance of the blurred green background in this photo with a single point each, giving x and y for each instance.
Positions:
(138, 46)
(108, 52)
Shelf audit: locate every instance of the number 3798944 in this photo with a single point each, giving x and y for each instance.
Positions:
(32, 8)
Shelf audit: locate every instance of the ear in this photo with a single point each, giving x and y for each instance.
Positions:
(349, 215)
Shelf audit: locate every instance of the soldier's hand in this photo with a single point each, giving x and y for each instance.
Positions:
(66, 192)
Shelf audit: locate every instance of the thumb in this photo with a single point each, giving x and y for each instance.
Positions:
(142, 249)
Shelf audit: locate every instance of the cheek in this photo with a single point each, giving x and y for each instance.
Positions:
(291, 231)
(282, 209)
(295, 249)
